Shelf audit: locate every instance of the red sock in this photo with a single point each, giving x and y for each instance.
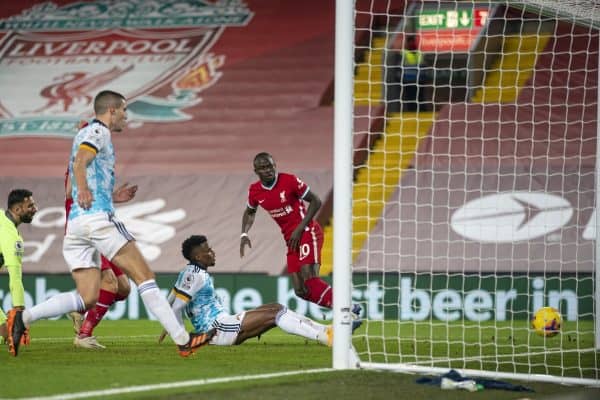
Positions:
(319, 292)
(95, 315)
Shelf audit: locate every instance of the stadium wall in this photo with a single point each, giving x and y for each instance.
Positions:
(416, 297)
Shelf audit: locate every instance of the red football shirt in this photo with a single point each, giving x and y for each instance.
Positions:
(282, 200)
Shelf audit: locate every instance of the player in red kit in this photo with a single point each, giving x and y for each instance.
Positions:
(282, 196)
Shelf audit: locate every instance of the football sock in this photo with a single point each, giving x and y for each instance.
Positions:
(95, 315)
(57, 305)
(319, 292)
(159, 306)
(297, 324)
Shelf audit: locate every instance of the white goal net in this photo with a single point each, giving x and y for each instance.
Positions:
(473, 189)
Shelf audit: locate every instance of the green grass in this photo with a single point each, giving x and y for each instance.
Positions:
(52, 366)
(499, 346)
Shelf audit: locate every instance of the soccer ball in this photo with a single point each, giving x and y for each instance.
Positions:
(546, 321)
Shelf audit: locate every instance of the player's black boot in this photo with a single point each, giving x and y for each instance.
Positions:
(16, 330)
(196, 341)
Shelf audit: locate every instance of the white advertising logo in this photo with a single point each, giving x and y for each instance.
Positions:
(147, 220)
(511, 217)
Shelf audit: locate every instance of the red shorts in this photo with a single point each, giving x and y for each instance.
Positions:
(310, 250)
(106, 264)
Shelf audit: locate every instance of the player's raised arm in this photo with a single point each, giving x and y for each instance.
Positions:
(247, 222)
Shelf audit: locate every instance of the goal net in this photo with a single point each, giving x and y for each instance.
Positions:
(473, 189)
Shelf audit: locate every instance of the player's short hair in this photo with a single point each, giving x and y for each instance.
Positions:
(107, 99)
(17, 196)
(189, 244)
(263, 155)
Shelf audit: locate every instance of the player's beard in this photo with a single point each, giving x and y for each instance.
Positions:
(27, 218)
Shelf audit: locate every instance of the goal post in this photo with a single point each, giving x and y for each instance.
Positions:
(342, 185)
(465, 187)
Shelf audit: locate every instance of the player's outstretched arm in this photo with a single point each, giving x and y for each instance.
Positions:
(8, 244)
(124, 193)
(247, 222)
(17, 291)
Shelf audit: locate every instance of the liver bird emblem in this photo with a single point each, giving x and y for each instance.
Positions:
(74, 87)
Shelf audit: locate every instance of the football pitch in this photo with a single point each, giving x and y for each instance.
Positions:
(278, 366)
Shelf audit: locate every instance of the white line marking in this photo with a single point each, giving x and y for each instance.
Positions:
(58, 339)
(497, 356)
(173, 385)
(70, 338)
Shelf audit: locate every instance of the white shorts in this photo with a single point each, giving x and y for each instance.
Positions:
(88, 236)
(228, 327)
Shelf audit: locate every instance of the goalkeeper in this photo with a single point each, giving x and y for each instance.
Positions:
(194, 295)
(20, 209)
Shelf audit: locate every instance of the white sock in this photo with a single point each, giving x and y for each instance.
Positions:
(297, 324)
(159, 306)
(57, 305)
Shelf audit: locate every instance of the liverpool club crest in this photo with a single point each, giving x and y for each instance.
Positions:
(54, 59)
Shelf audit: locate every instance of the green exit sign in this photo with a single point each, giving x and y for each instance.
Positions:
(445, 19)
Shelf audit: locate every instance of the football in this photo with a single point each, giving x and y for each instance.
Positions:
(546, 321)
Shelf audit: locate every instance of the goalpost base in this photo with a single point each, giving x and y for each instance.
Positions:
(418, 369)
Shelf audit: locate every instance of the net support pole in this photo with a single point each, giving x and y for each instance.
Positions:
(597, 213)
(342, 182)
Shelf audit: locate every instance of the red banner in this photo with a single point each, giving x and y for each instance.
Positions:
(457, 40)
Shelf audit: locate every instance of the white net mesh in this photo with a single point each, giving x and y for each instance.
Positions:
(474, 189)
(579, 11)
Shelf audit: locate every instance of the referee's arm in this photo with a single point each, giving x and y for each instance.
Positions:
(13, 266)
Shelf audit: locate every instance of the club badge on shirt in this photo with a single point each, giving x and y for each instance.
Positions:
(188, 282)
(19, 248)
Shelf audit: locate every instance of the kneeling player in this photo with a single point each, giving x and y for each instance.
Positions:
(194, 293)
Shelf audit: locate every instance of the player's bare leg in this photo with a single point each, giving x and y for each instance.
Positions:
(87, 281)
(77, 320)
(309, 286)
(298, 284)
(317, 291)
(81, 276)
(112, 289)
(131, 261)
(258, 321)
(123, 287)
(106, 298)
(265, 317)
(3, 333)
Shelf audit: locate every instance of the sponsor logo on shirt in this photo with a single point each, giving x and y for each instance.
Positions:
(281, 212)
(188, 282)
